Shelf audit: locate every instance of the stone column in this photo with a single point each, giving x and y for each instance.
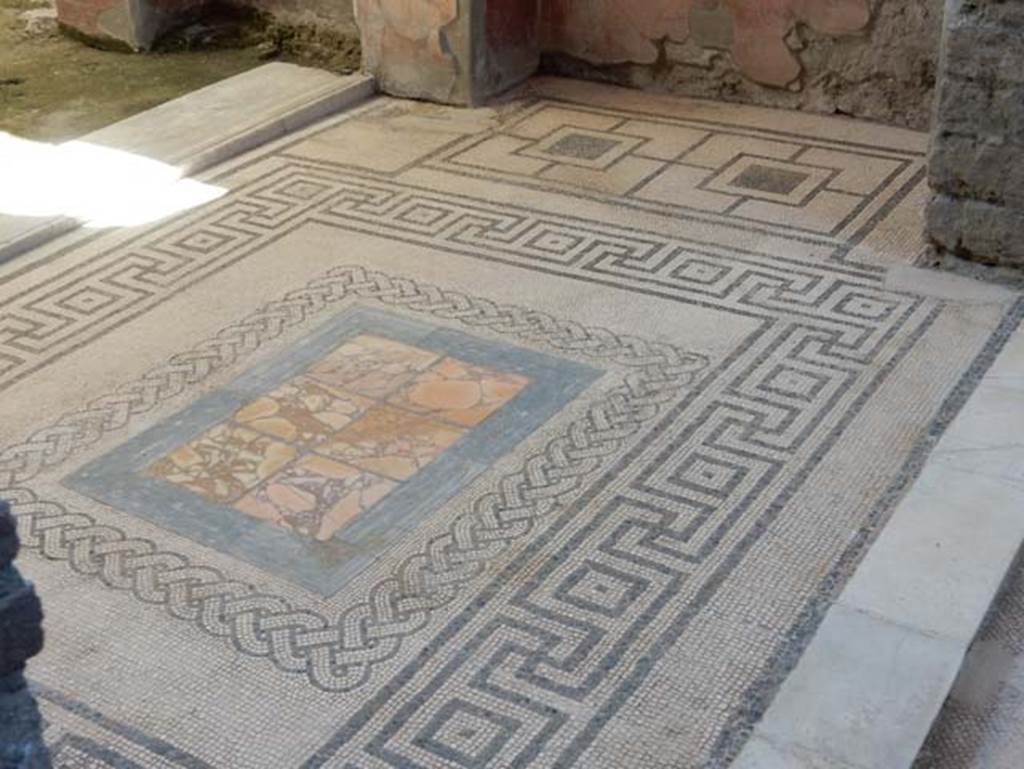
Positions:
(976, 167)
(452, 51)
(21, 637)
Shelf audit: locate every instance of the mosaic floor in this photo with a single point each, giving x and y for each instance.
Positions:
(538, 435)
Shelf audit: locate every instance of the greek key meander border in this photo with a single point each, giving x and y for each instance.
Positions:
(151, 267)
(791, 646)
(340, 655)
(352, 732)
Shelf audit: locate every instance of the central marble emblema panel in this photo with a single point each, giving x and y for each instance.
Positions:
(326, 445)
(312, 463)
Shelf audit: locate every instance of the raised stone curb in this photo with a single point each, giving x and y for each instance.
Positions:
(209, 126)
(876, 673)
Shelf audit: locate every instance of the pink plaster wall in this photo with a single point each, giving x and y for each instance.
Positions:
(412, 34)
(869, 58)
(628, 31)
(406, 45)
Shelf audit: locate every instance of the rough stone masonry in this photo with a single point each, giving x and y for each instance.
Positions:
(977, 157)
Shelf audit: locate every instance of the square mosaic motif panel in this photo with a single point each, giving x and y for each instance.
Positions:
(350, 440)
(750, 177)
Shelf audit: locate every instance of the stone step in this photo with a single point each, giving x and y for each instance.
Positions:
(206, 127)
(879, 667)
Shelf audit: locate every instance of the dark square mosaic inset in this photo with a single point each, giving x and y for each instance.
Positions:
(767, 179)
(582, 146)
(466, 734)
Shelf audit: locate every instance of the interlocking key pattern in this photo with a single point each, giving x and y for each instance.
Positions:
(50, 318)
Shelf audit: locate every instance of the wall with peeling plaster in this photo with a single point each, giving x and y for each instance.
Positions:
(874, 59)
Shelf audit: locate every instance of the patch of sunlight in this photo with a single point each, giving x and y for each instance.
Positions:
(99, 186)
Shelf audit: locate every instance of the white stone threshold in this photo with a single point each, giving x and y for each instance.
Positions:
(874, 676)
(206, 127)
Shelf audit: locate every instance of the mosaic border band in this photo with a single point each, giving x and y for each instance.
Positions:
(339, 655)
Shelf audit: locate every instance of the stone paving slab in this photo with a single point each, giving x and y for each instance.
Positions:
(863, 690)
(206, 127)
(718, 403)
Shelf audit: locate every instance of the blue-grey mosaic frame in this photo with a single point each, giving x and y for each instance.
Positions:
(118, 478)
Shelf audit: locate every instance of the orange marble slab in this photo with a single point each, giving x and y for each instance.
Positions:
(374, 410)
(458, 392)
(225, 461)
(315, 496)
(302, 411)
(371, 365)
(392, 442)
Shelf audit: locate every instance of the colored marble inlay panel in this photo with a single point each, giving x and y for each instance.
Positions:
(312, 463)
(458, 392)
(315, 497)
(372, 366)
(378, 444)
(224, 462)
(392, 442)
(303, 411)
